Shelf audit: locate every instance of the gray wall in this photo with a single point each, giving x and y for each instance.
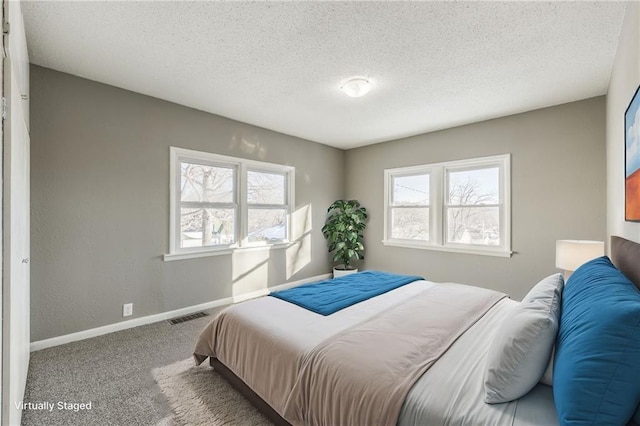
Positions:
(558, 184)
(100, 205)
(625, 77)
(100, 200)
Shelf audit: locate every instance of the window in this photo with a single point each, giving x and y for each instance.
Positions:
(220, 203)
(207, 202)
(410, 207)
(267, 207)
(461, 206)
(473, 206)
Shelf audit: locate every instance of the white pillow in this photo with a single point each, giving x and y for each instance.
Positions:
(547, 377)
(520, 351)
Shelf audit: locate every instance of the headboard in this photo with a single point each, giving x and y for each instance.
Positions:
(625, 255)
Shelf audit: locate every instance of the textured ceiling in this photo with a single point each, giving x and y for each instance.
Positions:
(279, 64)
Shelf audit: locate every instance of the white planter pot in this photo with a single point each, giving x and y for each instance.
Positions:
(342, 272)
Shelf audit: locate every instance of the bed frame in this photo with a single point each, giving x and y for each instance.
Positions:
(248, 393)
(625, 255)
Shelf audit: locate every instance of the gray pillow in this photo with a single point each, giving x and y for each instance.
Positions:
(547, 377)
(521, 348)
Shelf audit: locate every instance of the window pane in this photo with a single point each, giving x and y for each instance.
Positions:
(410, 223)
(474, 187)
(206, 227)
(206, 183)
(267, 225)
(474, 225)
(411, 190)
(265, 188)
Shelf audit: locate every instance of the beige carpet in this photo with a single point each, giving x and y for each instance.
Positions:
(200, 396)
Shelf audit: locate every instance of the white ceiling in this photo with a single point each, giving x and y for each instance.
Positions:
(278, 65)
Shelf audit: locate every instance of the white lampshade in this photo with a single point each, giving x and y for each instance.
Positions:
(356, 86)
(570, 254)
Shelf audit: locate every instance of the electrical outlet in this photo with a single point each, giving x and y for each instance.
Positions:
(127, 309)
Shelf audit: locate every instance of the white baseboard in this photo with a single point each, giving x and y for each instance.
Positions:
(123, 325)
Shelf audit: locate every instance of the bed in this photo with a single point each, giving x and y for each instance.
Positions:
(300, 367)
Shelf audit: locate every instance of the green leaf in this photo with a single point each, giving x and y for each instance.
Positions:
(343, 230)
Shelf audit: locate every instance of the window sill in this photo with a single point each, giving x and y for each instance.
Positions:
(422, 246)
(169, 257)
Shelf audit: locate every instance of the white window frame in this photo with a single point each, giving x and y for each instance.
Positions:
(241, 167)
(389, 176)
(438, 175)
(286, 206)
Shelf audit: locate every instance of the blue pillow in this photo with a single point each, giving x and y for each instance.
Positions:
(596, 375)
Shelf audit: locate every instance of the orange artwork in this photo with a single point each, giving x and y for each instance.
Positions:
(632, 160)
(632, 192)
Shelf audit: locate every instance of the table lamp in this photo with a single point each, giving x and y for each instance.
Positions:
(570, 254)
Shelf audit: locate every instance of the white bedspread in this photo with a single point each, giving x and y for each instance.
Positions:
(281, 334)
(449, 393)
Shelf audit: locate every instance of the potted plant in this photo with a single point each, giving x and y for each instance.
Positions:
(346, 221)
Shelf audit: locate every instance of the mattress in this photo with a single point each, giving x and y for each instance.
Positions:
(264, 342)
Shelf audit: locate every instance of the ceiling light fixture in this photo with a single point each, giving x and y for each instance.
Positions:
(356, 86)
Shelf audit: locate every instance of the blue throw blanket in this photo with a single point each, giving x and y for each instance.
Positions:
(329, 296)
